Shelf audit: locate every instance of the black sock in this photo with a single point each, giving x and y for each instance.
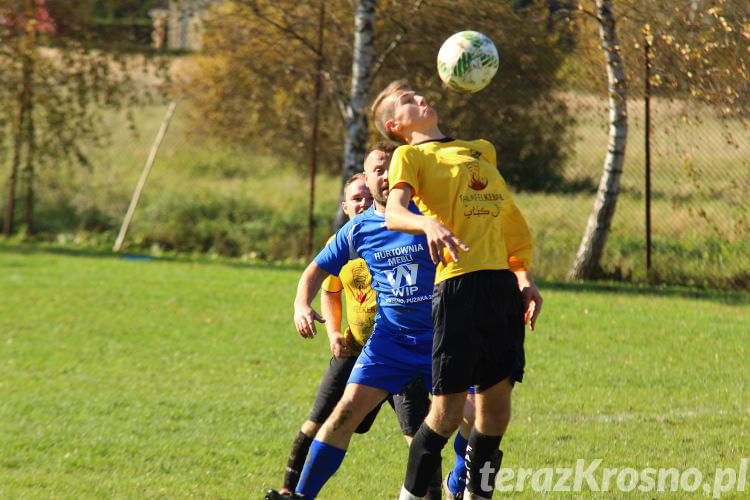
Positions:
(435, 488)
(424, 458)
(297, 457)
(483, 459)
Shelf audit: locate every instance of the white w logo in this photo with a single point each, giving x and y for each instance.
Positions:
(407, 273)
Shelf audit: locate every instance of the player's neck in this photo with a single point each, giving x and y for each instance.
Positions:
(379, 208)
(420, 136)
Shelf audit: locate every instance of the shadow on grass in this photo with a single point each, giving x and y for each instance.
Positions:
(724, 296)
(619, 288)
(145, 257)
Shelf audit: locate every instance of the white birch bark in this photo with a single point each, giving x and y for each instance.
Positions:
(355, 114)
(598, 225)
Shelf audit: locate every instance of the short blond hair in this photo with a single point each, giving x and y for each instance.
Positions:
(383, 110)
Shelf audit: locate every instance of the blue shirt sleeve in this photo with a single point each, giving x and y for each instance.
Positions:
(339, 250)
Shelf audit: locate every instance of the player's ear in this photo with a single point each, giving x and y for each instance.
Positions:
(393, 126)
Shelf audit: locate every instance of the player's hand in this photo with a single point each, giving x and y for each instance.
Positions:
(532, 299)
(441, 238)
(304, 319)
(339, 346)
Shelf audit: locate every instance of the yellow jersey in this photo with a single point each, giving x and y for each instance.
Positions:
(458, 183)
(361, 305)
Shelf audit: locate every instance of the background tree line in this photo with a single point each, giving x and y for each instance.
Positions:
(252, 82)
(252, 88)
(54, 83)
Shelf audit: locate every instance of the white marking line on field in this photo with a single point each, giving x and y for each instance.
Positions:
(661, 417)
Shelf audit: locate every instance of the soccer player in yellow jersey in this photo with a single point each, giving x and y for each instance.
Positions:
(483, 292)
(361, 307)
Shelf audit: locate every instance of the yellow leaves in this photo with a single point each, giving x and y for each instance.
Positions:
(648, 34)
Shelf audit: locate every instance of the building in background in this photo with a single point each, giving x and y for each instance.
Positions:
(185, 23)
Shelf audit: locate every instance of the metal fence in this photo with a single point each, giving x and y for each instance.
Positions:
(699, 231)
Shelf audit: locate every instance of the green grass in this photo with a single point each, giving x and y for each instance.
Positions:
(184, 378)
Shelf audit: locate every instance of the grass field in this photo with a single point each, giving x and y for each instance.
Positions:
(184, 378)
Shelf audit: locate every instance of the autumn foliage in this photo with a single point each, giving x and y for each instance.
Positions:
(253, 82)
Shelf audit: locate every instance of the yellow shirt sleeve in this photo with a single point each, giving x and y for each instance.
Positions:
(404, 168)
(332, 284)
(518, 242)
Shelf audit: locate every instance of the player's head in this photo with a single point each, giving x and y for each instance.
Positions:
(398, 110)
(377, 159)
(357, 197)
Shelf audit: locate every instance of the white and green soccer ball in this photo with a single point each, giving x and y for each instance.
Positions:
(467, 61)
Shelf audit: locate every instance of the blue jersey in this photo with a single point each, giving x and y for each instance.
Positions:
(403, 276)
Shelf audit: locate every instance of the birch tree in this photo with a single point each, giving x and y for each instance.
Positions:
(250, 84)
(355, 112)
(597, 228)
(356, 108)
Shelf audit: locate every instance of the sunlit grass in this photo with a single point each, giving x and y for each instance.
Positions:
(184, 378)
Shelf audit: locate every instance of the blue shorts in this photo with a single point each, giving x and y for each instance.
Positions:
(388, 373)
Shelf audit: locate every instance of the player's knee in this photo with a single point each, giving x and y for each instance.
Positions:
(310, 428)
(493, 420)
(345, 416)
(469, 411)
(445, 419)
(454, 420)
(503, 416)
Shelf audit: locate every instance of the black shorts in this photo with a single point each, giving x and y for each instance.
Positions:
(479, 331)
(332, 388)
(411, 404)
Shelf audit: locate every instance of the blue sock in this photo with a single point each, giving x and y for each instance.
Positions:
(323, 460)
(457, 477)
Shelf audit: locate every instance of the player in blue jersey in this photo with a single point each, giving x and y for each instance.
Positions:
(410, 404)
(400, 347)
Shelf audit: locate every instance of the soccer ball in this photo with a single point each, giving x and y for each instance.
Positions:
(467, 61)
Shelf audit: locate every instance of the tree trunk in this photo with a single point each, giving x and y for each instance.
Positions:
(28, 171)
(355, 142)
(10, 205)
(24, 101)
(314, 133)
(597, 229)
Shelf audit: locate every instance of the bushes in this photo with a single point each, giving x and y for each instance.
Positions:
(206, 222)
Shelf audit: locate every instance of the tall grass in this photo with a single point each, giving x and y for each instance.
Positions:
(700, 172)
(228, 200)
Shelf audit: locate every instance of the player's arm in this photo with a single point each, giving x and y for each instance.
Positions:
(518, 245)
(532, 299)
(398, 217)
(308, 286)
(330, 307)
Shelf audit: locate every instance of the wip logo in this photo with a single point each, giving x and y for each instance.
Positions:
(403, 280)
